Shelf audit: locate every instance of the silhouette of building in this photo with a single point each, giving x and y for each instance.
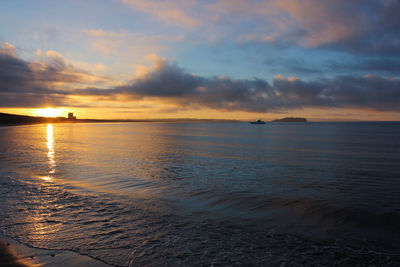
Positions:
(71, 116)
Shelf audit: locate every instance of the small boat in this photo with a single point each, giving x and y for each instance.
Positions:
(257, 122)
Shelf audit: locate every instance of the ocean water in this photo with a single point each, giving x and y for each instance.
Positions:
(195, 194)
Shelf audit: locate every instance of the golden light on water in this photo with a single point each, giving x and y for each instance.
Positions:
(50, 153)
(49, 112)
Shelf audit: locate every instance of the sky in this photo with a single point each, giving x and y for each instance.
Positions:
(210, 59)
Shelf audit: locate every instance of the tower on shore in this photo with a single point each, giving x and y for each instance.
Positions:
(71, 116)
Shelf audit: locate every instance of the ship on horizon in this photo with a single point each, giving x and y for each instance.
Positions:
(257, 122)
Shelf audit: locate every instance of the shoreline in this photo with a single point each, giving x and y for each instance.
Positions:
(7, 119)
(108, 122)
(176, 121)
(16, 254)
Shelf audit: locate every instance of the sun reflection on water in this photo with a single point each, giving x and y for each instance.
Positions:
(50, 152)
(42, 227)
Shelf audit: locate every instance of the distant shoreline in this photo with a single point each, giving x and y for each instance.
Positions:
(7, 119)
(15, 120)
(291, 119)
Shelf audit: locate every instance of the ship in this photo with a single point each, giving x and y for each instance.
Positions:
(257, 122)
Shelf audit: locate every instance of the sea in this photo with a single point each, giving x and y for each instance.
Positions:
(205, 194)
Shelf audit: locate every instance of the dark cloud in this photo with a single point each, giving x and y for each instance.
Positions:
(373, 26)
(387, 66)
(31, 100)
(174, 85)
(369, 27)
(21, 86)
(14, 73)
(384, 65)
(33, 84)
(372, 92)
(24, 84)
(380, 31)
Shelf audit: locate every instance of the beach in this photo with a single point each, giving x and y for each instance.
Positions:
(16, 254)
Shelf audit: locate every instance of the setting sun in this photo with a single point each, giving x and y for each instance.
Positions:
(49, 112)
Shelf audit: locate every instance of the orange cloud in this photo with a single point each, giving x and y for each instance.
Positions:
(8, 49)
(309, 23)
(174, 12)
(156, 62)
(132, 45)
(319, 19)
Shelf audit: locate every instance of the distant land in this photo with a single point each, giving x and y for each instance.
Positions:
(13, 119)
(7, 119)
(291, 119)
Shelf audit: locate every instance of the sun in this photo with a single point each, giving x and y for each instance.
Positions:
(49, 112)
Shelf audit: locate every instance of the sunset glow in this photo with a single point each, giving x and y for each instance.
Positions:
(195, 59)
(200, 132)
(48, 112)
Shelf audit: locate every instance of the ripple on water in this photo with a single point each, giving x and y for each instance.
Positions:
(126, 232)
(205, 194)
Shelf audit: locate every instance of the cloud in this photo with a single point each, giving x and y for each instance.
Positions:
(252, 37)
(113, 43)
(321, 22)
(359, 27)
(8, 49)
(371, 26)
(169, 83)
(100, 33)
(386, 65)
(55, 82)
(389, 66)
(173, 12)
(294, 65)
(34, 84)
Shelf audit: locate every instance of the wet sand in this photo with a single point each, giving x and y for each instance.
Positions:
(15, 254)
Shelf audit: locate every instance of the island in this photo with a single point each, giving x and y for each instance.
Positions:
(291, 119)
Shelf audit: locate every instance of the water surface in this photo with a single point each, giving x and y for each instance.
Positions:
(205, 193)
